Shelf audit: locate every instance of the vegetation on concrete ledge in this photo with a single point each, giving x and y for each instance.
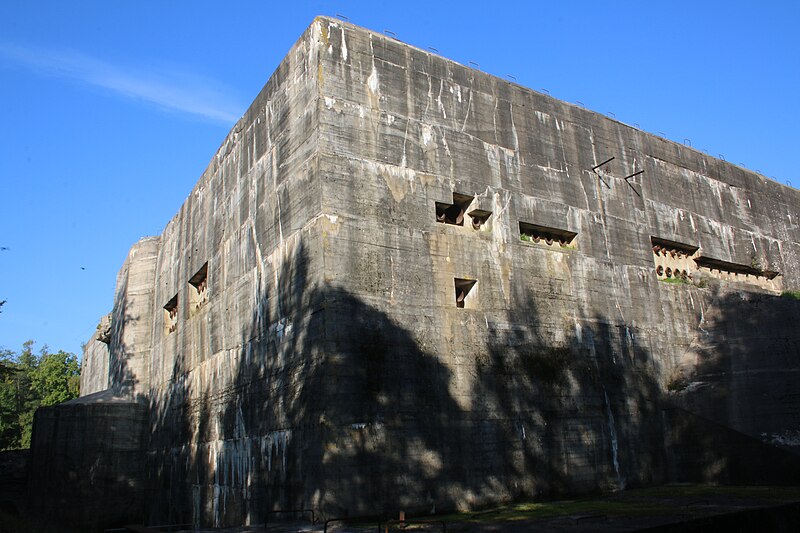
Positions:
(791, 294)
(675, 281)
(529, 238)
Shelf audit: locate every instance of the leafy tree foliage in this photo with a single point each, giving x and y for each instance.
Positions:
(56, 378)
(29, 381)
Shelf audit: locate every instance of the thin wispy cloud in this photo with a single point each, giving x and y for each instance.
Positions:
(171, 89)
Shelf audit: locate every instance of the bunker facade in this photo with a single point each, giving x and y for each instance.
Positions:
(402, 283)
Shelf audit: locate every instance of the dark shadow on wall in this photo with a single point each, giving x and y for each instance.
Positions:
(174, 466)
(122, 380)
(743, 365)
(573, 416)
(332, 405)
(740, 376)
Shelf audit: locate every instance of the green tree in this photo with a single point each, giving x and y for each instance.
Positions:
(28, 381)
(28, 401)
(12, 397)
(9, 418)
(56, 378)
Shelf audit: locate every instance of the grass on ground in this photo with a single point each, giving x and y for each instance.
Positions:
(672, 500)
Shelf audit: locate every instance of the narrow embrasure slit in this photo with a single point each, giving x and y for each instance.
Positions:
(717, 266)
(546, 235)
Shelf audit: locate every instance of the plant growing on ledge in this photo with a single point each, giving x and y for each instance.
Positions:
(795, 295)
(675, 281)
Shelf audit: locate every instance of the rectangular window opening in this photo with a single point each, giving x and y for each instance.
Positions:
(453, 213)
(463, 288)
(171, 315)
(546, 235)
(198, 290)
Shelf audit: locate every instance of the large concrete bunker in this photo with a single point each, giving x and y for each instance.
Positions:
(405, 283)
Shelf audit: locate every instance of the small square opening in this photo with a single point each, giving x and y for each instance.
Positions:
(171, 315)
(463, 288)
(453, 213)
(198, 290)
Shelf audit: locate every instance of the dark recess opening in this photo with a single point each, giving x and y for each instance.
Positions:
(734, 268)
(463, 286)
(479, 217)
(453, 213)
(673, 248)
(171, 315)
(535, 233)
(198, 294)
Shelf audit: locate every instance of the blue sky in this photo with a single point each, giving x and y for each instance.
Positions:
(111, 110)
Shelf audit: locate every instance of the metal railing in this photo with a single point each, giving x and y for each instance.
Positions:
(362, 520)
(137, 527)
(287, 511)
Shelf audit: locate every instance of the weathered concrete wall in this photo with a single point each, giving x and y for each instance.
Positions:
(13, 483)
(741, 368)
(94, 364)
(295, 328)
(132, 320)
(88, 455)
(223, 419)
(702, 451)
(87, 464)
(550, 378)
